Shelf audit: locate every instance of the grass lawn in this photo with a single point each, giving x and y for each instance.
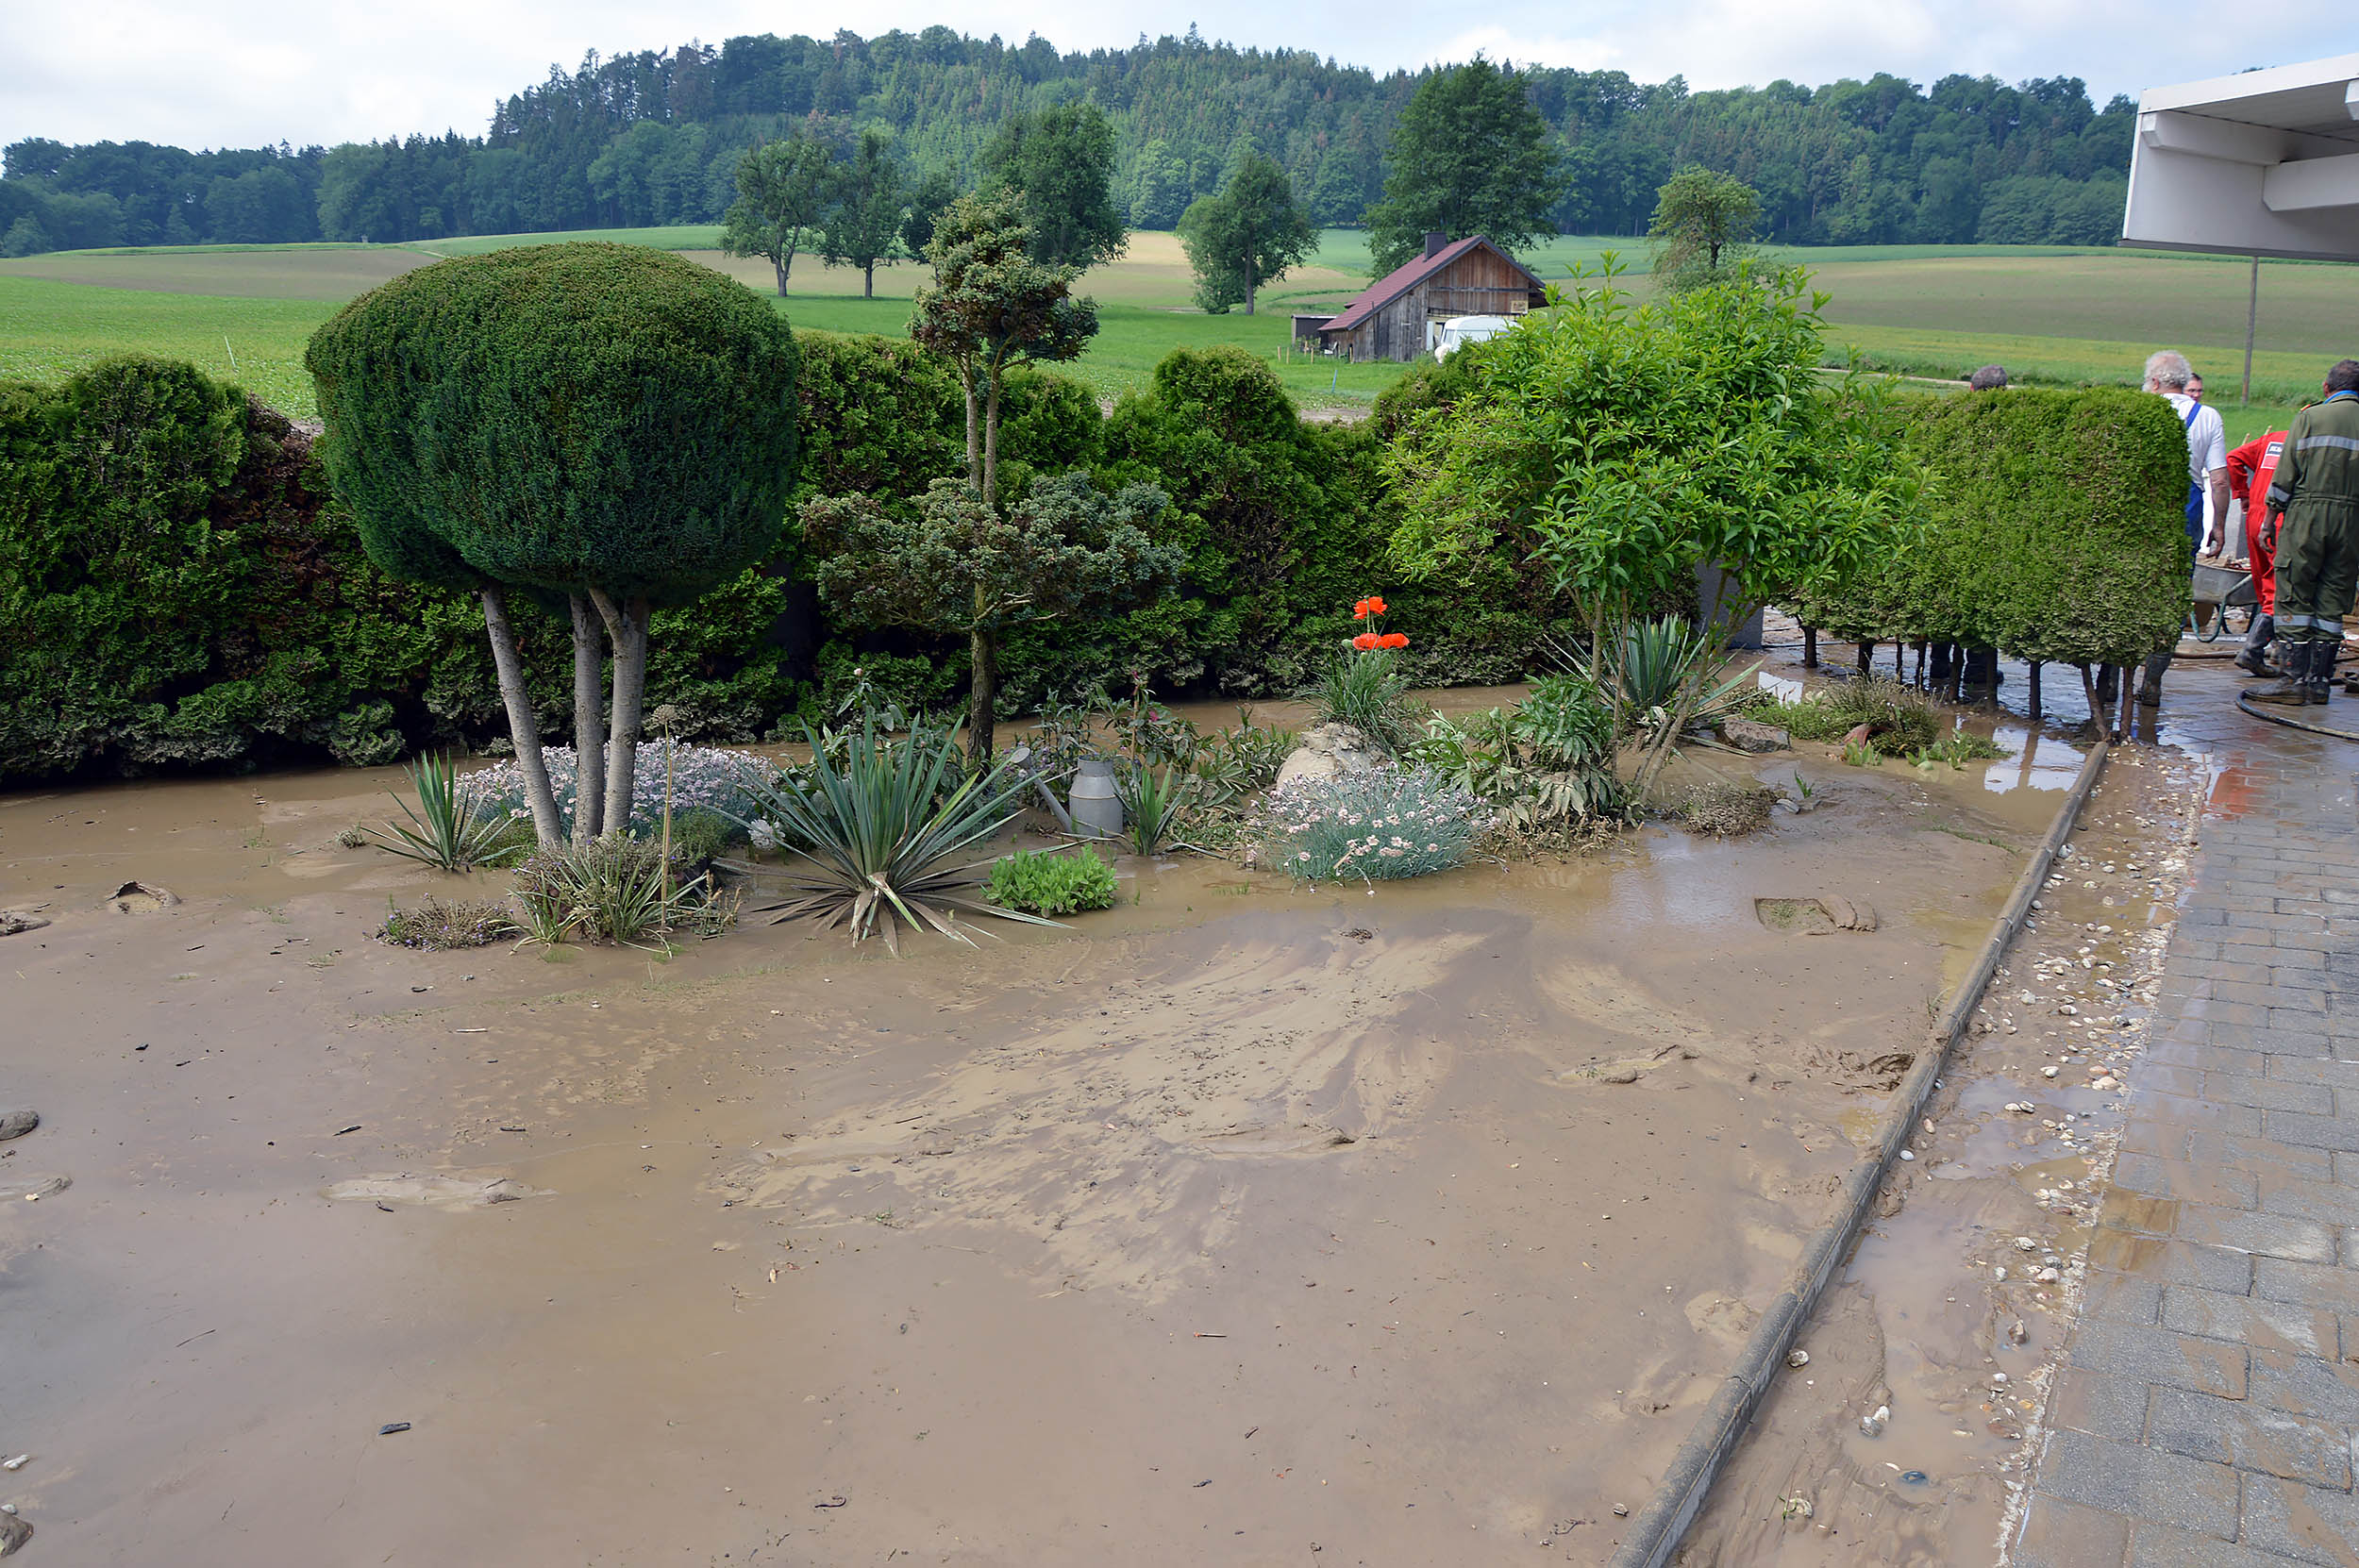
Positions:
(2061, 314)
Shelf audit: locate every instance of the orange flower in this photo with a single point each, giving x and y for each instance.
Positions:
(1360, 610)
(1366, 641)
(1376, 603)
(1393, 640)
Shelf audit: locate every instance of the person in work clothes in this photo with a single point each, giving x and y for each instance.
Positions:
(2251, 467)
(2167, 373)
(2312, 519)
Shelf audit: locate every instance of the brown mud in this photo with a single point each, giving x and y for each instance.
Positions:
(1923, 1319)
(1239, 1224)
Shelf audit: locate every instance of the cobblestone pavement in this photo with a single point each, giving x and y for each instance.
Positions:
(2208, 1409)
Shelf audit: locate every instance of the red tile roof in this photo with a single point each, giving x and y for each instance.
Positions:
(1401, 279)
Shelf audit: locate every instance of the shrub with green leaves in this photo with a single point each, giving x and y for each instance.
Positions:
(1367, 690)
(1045, 882)
(438, 927)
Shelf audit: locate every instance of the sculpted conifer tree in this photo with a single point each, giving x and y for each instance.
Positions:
(605, 425)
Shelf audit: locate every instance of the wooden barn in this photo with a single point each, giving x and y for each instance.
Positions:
(1466, 277)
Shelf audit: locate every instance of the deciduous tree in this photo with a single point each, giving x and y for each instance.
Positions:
(864, 224)
(1471, 156)
(782, 193)
(1249, 234)
(1701, 223)
(1060, 162)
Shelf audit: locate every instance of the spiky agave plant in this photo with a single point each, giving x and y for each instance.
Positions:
(449, 829)
(882, 835)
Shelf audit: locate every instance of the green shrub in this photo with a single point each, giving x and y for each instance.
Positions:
(701, 836)
(1384, 824)
(2054, 529)
(1724, 809)
(1046, 882)
(617, 890)
(1367, 690)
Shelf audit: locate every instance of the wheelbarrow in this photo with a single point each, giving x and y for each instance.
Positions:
(2222, 588)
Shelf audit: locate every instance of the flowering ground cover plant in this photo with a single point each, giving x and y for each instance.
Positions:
(1382, 825)
(709, 777)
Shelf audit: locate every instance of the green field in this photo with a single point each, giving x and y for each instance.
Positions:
(2065, 315)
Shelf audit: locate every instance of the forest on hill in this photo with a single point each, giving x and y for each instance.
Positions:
(654, 138)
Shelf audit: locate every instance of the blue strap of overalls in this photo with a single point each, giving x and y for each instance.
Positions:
(2194, 487)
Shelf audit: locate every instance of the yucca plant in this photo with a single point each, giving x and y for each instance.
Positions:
(448, 830)
(617, 889)
(1369, 691)
(1151, 806)
(882, 835)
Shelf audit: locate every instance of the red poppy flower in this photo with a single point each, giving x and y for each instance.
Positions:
(1393, 640)
(1366, 641)
(1360, 610)
(1376, 603)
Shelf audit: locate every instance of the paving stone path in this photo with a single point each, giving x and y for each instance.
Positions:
(2209, 1404)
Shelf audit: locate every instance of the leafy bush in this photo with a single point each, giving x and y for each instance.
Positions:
(1046, 883)
(1550, 765)
(701, 836)
(1900, 718)
(882, 834)
(1386, 824)
(2055, 530)
(436, 927)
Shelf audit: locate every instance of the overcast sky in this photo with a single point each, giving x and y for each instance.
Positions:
(331, 71)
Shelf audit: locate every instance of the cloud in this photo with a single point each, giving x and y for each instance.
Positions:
(328, 70)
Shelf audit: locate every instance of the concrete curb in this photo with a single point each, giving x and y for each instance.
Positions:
(1656, 1532)
(2253, 709)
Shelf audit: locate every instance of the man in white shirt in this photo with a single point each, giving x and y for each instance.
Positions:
(2167, 373)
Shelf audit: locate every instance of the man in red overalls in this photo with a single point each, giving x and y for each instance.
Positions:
(2251, 467)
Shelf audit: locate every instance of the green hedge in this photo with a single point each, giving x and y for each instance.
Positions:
(178, 588)
(2055, 530)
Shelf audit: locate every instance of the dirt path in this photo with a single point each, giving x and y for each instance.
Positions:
(1236, 1224)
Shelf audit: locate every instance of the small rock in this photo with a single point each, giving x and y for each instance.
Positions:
(1329, 751)
(13, 921)
(1621, 1511)
(1906, 1155)
(2048, 1276)
(17, 1463)
(17, 1121)
(1873, 1425)
(1797, 1358)
(2016, 1333)
(1618, 1075)
(2025, 1243)
(1999, 1379)
(2047, 1072)
(2109, 1081)
(14, 1532)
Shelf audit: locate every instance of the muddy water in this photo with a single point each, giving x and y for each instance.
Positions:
(1923, 1319)
(1239, 1224)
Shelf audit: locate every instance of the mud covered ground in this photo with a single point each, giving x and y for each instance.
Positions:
(1943, 1317)
(1238, 1224)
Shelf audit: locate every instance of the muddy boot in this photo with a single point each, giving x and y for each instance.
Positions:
(2293, 692)
(2149, 692)
(2318, 674)
(2254, 658)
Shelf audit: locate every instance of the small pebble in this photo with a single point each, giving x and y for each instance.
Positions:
(1797, 1358)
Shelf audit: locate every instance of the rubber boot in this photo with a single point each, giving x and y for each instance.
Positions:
(2292, 692)
(2254, 658)
(2318, 674)
(2149, 692)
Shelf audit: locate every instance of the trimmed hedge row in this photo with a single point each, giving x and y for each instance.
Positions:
(2055, 531)
(179, 589)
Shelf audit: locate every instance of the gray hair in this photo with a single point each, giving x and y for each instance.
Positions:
(2169, 368)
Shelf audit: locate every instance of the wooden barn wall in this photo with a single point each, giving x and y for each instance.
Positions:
(1480, 283)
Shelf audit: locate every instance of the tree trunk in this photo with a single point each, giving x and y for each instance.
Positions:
(589, 721)
(2088, 690)
(974, 437)
(1810, 647)
(627, 628)
(780, 267)
(522, 728)
(2032, 711)
(1866, 658)
(1249, 291)
(982, 698)
(991, 447)
(868, 281)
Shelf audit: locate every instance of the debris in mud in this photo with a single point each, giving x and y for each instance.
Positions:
(392, 1427)
(1752, 735)
(17, 1463)
(1816, 917)
(13, 921)
(141, 899)
(1797, 1358)
(30, 1188)
(437, 1191)
(18, 1121)
(14, 1532)
(1873, 1424)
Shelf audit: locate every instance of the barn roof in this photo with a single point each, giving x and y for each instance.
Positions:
(1401, 279)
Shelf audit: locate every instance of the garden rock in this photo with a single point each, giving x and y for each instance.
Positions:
(1329, 751)
(13, 921)
(17, 1121)
(141, 899)
(1752, 735)
(14, 1532)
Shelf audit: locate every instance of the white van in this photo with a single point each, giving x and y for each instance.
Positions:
(1443, 336)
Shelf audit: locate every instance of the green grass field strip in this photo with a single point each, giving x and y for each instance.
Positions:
(49, 329)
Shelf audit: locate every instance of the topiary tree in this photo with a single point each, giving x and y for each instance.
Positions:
(992, 307)
(961, 565)
(607, 427)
